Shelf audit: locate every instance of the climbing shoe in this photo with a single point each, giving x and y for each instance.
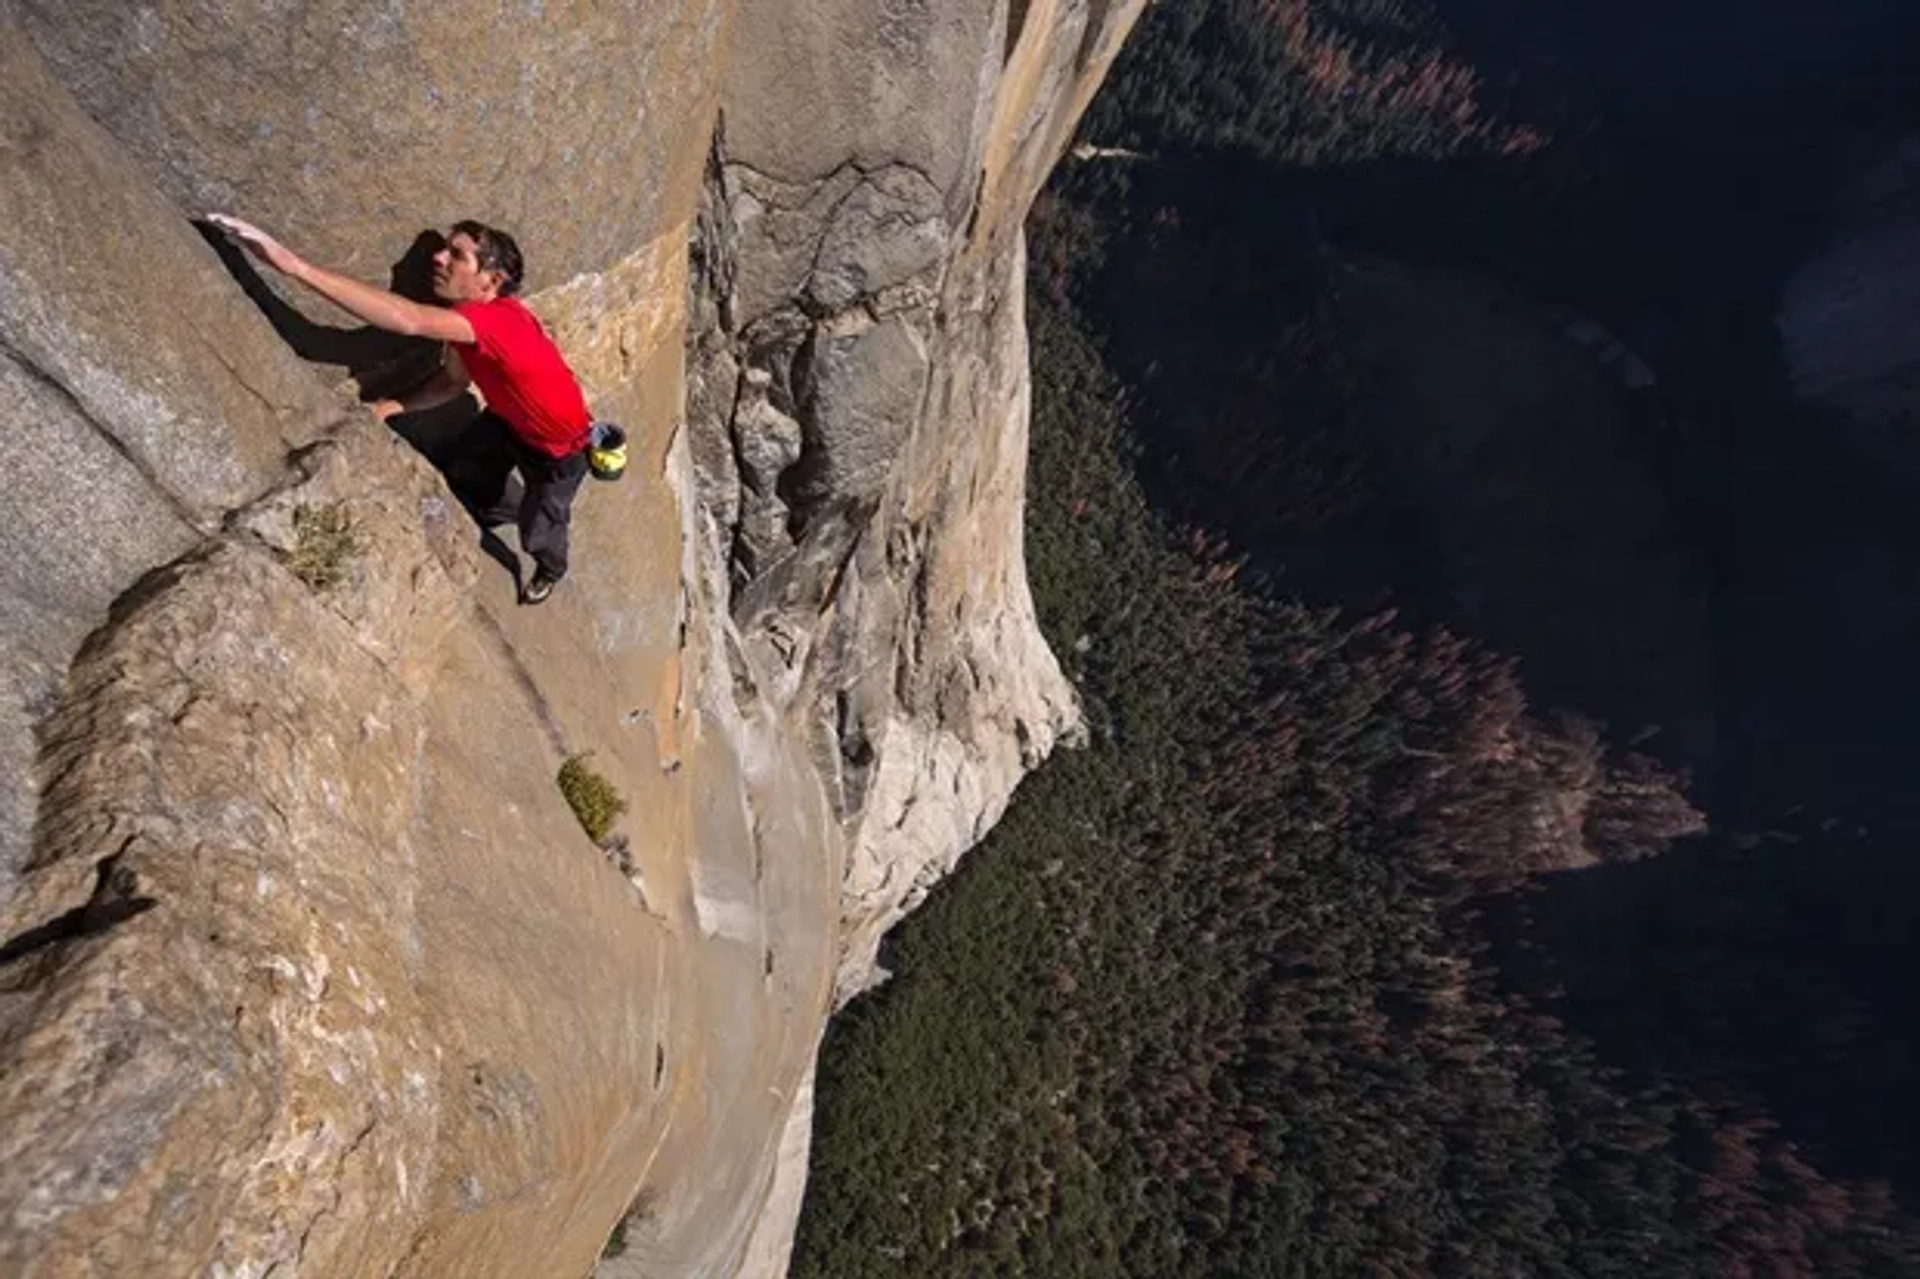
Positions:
(539, 588)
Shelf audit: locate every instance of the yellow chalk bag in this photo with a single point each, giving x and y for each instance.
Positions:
(607, 451)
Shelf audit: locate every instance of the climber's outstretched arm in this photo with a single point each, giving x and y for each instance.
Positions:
(376, 306)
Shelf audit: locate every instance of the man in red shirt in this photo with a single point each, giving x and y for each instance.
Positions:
(536, 420)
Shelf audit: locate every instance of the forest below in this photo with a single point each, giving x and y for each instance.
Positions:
(1381, 929)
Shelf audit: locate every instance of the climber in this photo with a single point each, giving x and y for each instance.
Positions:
(536, 419)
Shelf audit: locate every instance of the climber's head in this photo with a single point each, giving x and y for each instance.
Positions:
(477, 264)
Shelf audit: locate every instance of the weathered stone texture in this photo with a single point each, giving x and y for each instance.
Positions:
(88, 539)
(816, 86)
(862, 279)
(349, 126)
(215, 1027)
(307, 968)
(140, 398)
(886, 230)
(106, 292)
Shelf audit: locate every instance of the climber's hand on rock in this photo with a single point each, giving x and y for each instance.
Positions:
(259, 243)
(384, 409)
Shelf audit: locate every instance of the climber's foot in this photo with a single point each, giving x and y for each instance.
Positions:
(539, 588)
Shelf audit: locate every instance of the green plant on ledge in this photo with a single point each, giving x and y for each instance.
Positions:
(325, 544)
(592, 797)
(616, 1242)
(636, 1214)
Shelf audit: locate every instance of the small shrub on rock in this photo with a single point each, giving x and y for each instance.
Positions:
(636, 1214)
(325, 544)
(592, 797)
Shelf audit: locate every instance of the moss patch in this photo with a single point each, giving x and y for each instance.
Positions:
(325, 545)
(592, 797)
(637, 1212)
(616, 1241)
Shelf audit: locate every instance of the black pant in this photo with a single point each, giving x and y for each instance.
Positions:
(541, 503)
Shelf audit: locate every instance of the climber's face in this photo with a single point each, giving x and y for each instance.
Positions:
(457, 275)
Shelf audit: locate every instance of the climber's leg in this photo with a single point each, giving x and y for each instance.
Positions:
(481, 476)
(547, 508)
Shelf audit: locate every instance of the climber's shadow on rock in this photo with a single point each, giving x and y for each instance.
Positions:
(383, 365)
(380, 362)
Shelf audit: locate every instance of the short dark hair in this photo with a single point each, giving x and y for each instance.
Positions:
(495, 251)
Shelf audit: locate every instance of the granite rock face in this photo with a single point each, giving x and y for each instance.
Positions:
(205, 1033)
(349, 126)
(305, 966)
(139, 398)
(867, 287)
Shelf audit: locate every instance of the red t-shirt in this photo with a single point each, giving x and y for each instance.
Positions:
(524, 377)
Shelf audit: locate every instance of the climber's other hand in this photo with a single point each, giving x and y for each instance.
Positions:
(258, 242)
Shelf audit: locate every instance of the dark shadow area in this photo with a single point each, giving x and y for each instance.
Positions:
(500, 553)
(1698, 151)
(115, 899)
(1716, 138)
(1288, 408)
(83, 921)
(1778, 976)
(382, 363)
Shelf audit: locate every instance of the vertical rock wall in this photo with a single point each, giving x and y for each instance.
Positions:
(858, 407)
(305, 968)
(140, 399)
